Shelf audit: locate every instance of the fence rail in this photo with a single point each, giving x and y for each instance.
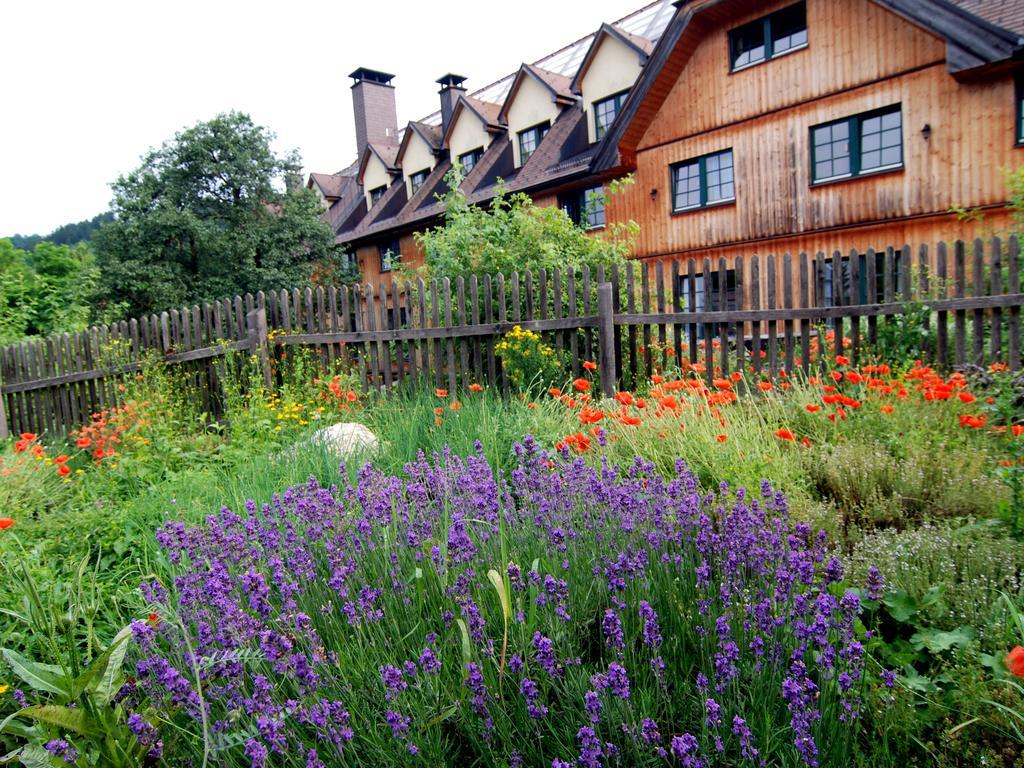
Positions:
(763, 313)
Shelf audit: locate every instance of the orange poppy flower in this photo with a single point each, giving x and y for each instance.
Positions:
(61, 459)
(554, 392)
(28, 437)
(656, 379)
(1014, 661)
(83, 442)
(625, 398)
(842, 360)
(582, 385)
(669, 402)
(439, 411)
(785, 434)
(589, 366)
(21, 446)
(474, 387)
(631, 421)
(965, 397)
(456, 405)
(886, 409)
(972, 421)
(764, 386)
(735, 375)
(641, 403)
(722, 384)
(721, 438)
(351, 397)
(836, 376)
(63, 470)
(5, 523)
(441, 392)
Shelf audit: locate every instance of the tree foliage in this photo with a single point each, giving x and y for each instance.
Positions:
(210, 213)
(513, 233)
(46, 290)
(65, 234)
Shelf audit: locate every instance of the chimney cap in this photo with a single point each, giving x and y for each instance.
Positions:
(363, 74)
(450, 81)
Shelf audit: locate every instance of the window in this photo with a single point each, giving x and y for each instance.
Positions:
(376, 194)
(862, 278)
(605, 111)
(864, 143)
(1019, 91)
(390, 255)
(417, 179)
(468, 160)
(585, 207)
(702, 182)
(348, 266)
(716, 294)
(530, 139)
(764, 39)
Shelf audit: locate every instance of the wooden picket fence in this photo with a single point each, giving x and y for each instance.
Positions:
(761, 313)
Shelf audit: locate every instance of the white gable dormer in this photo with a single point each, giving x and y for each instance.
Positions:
(611, 67)
(471, 130)
(533, 104)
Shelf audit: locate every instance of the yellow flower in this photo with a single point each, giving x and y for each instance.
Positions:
(4, 689)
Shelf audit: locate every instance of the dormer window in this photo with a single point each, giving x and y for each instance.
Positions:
(376, 194)
(769, 37)
(417, 179)
(605, 112)
(530, 139)
(468, 160)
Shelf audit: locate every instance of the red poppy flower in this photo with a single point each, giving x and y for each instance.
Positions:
(806, 443)
(811, 407)
(842, 360)
(631, 421)
(625, 398)
(1014, 661)
(441, 392)
(886, 409)
(63, 470)
(554, 392)
(5, 523)
(61, 459)
(965, 397)
(589, 366)
(476, 388)
(736, 376)
(1018, 430)
(28, 437)
(439, 411)
(785, 434)
(582, 385)
(721, 438)
(83, 442)
(351, 397)
(764, 385)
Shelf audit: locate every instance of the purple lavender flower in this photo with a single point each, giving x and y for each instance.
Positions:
(651, 632)
(875, 584)
(399, 723)
(618, 681)
(534, 708)
(612, 627)
(429, 663)
(590, 748)
(592, 705)
(889, 678)
(687, 751)
(60, 748)
(393, 680)
(742, 730)
(649, 731)
(544, 650)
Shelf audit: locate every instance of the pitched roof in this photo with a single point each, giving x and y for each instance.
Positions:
(558, 154)
(559, 86)
(431, 134)
(386, 153)
(972, 42)
(486, 112)
(641, 45)
(330, 184)
(1008, 14)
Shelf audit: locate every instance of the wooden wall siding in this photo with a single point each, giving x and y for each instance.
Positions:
(850, 43)
(632, 320)
(960, 164)
(369, 259)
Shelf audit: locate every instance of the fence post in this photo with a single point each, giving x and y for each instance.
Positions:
(4, 429)
(606, 338)
(256, 326)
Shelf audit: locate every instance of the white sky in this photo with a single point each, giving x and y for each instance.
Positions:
(87, 87)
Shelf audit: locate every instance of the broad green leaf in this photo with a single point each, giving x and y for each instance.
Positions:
(108, 683)
(938, 641)
(933, 595)
(902, 606)
(34, 756)
(467, 649)
(499, 586)
(40, 677)
(74, 720)
(916, 682)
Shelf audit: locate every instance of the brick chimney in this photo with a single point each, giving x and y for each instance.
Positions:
(451, 89)
(373, 103)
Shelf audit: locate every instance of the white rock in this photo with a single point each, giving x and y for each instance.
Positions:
(346, 439)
